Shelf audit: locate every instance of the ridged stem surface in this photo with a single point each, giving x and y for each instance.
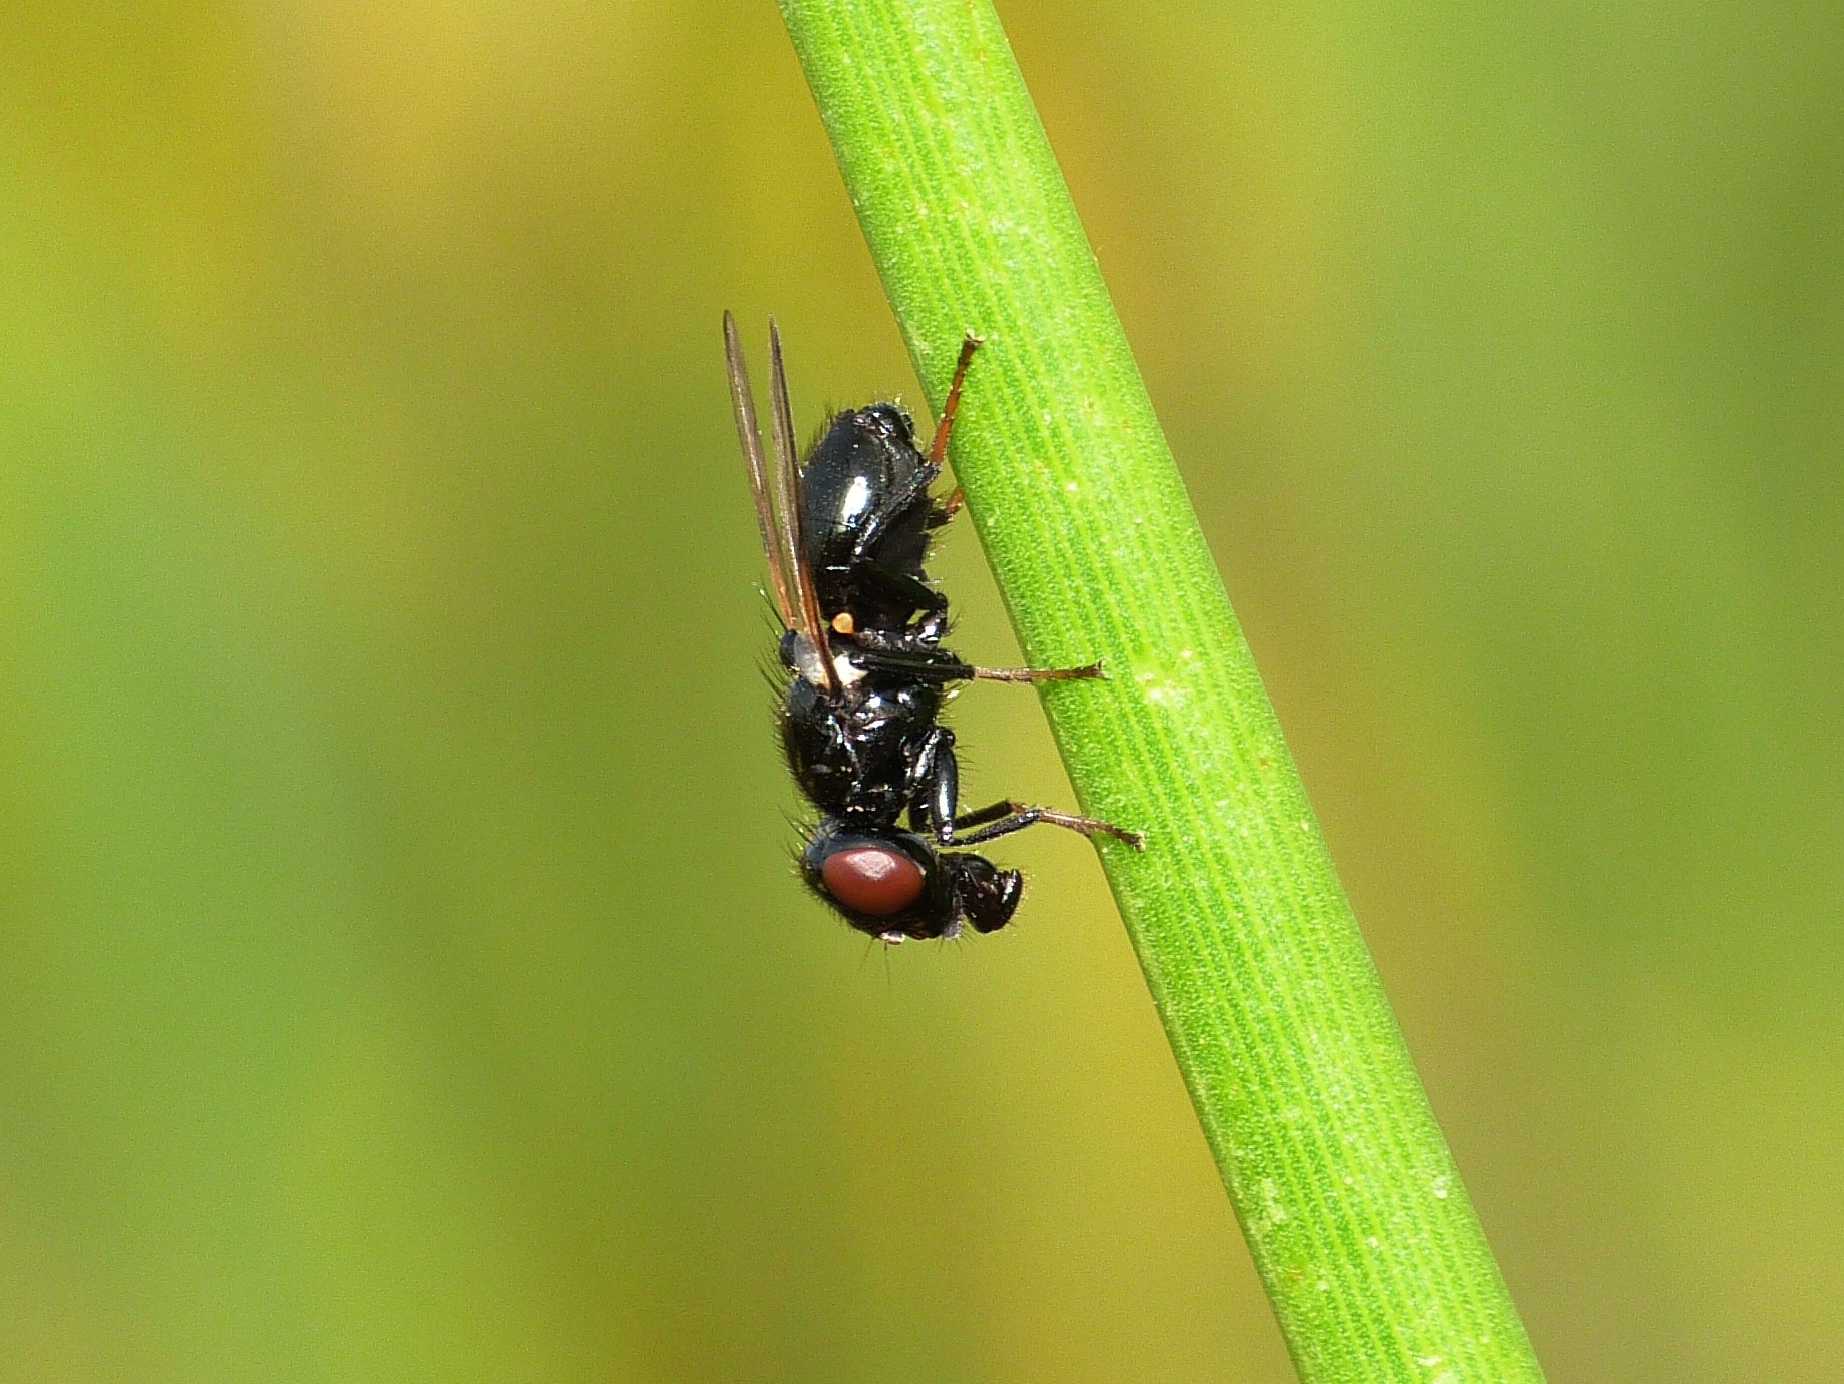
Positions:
(1343, 1184)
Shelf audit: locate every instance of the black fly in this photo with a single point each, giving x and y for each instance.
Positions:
(846, 536)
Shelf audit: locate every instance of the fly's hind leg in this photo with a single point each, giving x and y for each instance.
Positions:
(938, 449)
(943, 514)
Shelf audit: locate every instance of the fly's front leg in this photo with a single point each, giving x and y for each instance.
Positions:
(979, 817)
(934, 786)
(937, 790)
(1008, 817)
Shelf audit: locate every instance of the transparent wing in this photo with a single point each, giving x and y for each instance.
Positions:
(787, 475)
(774, 547)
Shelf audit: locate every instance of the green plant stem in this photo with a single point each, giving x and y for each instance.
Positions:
(1345, 1189)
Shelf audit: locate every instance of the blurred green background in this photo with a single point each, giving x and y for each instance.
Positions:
(404, 978)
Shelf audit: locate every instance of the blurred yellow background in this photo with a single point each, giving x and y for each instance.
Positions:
(405, 980)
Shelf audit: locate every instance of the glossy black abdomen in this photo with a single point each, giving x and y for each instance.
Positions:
(865, 518)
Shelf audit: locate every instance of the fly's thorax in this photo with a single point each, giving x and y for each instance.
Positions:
(856, 754)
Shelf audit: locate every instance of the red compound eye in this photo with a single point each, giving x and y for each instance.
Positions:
(873, 880)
